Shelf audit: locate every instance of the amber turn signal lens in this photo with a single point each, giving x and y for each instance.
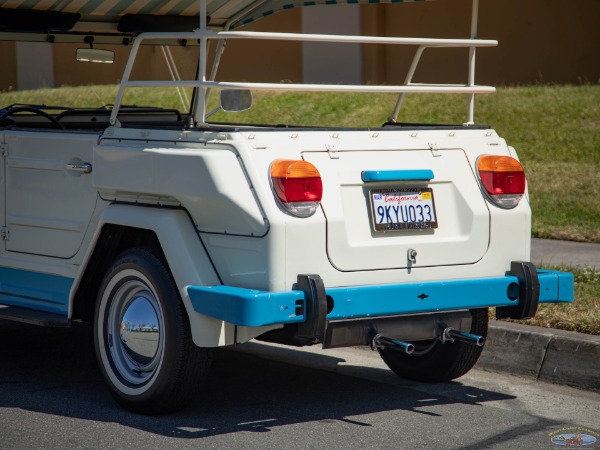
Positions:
(502, 178)
(297, 185)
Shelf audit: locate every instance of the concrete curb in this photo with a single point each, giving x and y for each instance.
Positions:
(556, 356)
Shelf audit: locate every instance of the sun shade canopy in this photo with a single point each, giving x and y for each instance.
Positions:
(136, 16)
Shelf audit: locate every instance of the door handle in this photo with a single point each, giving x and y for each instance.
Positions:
(80, 167)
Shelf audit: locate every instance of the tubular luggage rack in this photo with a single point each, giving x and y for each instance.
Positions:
(203, 35)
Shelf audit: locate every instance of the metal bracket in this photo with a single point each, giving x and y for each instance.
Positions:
(411, 255)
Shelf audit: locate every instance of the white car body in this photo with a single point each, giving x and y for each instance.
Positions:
(202, 199)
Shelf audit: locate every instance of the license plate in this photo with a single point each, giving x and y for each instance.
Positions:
(403, 209)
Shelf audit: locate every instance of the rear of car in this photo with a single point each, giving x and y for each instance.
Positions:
(400, 239)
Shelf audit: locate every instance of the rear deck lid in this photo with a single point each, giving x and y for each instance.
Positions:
(402, 208)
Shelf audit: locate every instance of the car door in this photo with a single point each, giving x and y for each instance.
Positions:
(49, 197)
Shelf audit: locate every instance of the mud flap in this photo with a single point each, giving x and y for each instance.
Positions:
(529, 292)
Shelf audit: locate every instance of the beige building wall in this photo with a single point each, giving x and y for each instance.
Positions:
(94, 73)
(332, 63)
(8, 76)
(540, 40)
(266, 61)
(35, 65)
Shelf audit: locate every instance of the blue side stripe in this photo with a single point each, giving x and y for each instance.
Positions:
(39, 291)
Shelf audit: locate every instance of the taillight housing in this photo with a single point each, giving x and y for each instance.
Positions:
(502, 179)
(297, 186)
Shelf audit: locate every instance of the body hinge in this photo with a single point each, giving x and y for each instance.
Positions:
(4, 149)
(4, 233)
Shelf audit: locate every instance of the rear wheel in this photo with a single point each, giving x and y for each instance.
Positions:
(142, 337)
(434, 361)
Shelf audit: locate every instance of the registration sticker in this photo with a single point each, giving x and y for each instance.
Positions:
(402, 209)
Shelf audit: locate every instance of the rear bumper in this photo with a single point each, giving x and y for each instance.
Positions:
(252, 308)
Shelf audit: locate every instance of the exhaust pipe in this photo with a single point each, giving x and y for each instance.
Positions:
(380, 341)
(451, 335)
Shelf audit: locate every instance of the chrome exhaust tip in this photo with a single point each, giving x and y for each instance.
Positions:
(380, 341)
(451, 335)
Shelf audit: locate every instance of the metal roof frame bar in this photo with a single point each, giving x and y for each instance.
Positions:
(203, 35)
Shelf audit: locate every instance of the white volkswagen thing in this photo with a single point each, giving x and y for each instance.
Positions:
(175, 235)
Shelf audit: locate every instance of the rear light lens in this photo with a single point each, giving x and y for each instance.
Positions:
(502, 179)
(297, 185)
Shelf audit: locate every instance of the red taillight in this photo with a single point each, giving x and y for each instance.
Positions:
(503, 179)
(297, 185)
(298, 189)
(501, 183)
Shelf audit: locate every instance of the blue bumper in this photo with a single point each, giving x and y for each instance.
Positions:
(252, 308)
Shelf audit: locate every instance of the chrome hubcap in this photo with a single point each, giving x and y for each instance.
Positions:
(135, 332)
(140, 331)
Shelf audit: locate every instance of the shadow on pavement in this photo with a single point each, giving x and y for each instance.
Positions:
(53, 371)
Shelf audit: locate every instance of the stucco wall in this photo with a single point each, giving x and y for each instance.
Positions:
(266, 61)
(8, 76)
(540, 40)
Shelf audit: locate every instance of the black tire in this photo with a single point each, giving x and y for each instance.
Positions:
(142, 337)
(434, 361)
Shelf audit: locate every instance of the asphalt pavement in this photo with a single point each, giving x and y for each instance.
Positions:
(270, 397)
(547, 354)
(565, 253)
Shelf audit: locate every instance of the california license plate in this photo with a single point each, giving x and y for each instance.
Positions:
(402, 209)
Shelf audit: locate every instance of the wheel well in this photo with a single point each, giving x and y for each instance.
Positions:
(113, 240)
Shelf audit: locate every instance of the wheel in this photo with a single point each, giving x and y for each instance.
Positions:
(142, 337)
(32, 110)
(434, 361)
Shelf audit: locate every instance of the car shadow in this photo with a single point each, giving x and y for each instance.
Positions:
(53, 371)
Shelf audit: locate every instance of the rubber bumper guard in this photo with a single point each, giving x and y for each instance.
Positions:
(529, 292)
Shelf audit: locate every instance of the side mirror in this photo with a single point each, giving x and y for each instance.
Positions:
(95, 55)
(235, 100)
